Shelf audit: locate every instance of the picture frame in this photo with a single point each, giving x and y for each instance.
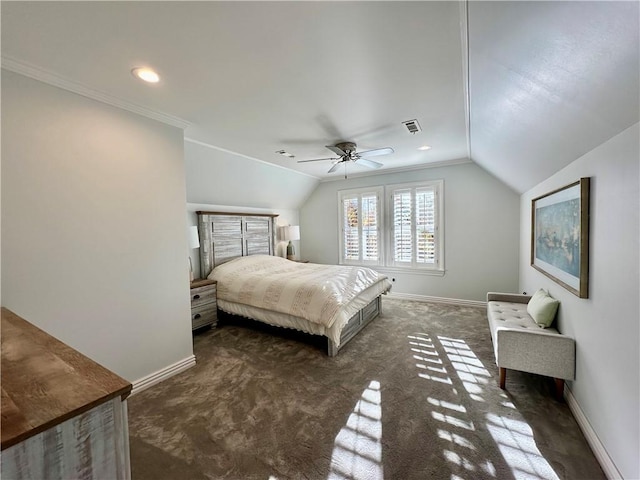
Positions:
(560, 236)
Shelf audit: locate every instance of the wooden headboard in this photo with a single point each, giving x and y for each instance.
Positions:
(225, 236)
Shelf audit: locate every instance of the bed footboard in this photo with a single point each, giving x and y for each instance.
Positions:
(356, 323)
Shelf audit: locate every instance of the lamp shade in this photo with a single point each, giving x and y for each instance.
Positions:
(194, 239)
(294, 232)
(288, 233)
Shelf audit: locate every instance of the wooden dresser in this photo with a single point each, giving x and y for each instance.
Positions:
(204, 304)
(63, 415)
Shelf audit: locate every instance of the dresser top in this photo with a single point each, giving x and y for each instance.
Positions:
(46, 382)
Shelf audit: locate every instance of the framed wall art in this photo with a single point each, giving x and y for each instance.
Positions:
(560, 236)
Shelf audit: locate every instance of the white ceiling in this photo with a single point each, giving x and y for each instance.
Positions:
(548, 81)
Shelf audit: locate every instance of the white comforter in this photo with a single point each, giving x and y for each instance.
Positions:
(321, 294)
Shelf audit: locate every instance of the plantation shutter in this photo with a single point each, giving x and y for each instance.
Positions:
(370, 227)
(360, 212)
(425, 226)
(350, 228)
(402, 220)
(414, 226)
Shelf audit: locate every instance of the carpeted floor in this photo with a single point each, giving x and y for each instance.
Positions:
(413, 396)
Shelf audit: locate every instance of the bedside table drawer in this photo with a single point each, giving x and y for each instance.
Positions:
(203, 295)
(204, 304)
(204, 315)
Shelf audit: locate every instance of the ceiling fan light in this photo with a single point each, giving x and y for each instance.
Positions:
(146, 74)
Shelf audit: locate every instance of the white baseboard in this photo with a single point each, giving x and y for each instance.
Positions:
(594, 442)
(426, 298)
(167, 372)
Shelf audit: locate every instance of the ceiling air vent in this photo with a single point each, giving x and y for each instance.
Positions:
(413, 126)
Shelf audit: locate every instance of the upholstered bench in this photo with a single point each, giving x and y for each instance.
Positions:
(519, 343)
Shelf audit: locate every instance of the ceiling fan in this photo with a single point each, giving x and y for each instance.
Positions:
(346, 152)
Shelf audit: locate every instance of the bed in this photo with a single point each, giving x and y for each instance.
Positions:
(336, 301)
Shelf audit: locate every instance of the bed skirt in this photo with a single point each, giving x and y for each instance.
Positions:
(356, 323)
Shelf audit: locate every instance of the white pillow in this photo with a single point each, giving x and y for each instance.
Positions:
(542, 308)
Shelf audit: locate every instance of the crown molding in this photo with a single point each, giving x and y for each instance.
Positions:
(220, 149)
(28, 70)
(464, 33)
(387, 171)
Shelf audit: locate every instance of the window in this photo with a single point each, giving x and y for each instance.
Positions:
(409, 235)
(414, 230)
(360, 226)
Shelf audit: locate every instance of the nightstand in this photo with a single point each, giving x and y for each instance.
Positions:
(204, 305)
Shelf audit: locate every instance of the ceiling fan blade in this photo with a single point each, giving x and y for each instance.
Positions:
(376, 152)
(368, 163)
(317, 160)
(336, 150)
(334, 167)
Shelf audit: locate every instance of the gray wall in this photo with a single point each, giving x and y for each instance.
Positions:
(219, 177)
(606, 325)
(481, 231)
(94, 238)
(222, 181)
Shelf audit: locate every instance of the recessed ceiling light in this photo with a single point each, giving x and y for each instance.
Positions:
(146, 74)
(424, 147)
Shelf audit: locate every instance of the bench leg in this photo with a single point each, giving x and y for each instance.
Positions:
(503, 377)
(559, 389)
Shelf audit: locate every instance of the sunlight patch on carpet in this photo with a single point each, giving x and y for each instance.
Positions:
(459, 451)
(518, 447)
(357, 451)
(514, 438)
(467, 365)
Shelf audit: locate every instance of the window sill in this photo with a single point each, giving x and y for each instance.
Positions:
(406, 270)
(411, 271)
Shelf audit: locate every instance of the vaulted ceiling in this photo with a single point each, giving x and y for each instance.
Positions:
(521, 88)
